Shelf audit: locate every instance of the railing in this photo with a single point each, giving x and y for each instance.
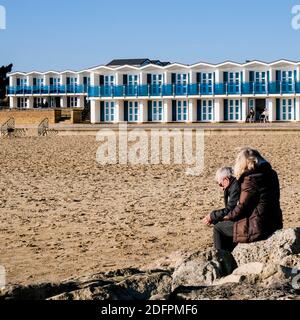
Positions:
(251, 88)
(52, 89)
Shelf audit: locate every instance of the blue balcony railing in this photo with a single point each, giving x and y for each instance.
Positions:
(168, 90)
(61, 89)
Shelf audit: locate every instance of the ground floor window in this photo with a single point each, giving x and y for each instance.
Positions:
(157, 110)
(207, 110)
(133, 111)
(22, 103)
(287, 110)
(38, 102)
(72, 102)
(182, 110)
(232, 109)
(109, 111)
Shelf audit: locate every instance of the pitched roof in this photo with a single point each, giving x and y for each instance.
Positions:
(130, 62)
(136, 62)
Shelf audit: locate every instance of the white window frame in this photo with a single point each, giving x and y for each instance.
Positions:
(133, 111)
(287, 109)
(109, 80)
(157, 110)
(73, 102)
(23, 103)
(109, 111)
(182, 80)
(182, 110)
(207, 110)
(234, 80)
(233, 106)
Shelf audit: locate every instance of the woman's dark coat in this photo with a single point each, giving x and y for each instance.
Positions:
(258, 214)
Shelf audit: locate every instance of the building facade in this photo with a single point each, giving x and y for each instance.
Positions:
(143, 90)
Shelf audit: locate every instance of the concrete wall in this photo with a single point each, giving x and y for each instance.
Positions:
(33, 117)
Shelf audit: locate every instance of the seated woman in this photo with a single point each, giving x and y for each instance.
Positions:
(257, 215)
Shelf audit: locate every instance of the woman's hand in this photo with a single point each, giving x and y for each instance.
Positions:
(207, 220)
(226, 218)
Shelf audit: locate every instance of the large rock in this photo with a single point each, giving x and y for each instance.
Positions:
(203, 268)
(169, 262)
(141, 286)
(282, 244)
(237, 291)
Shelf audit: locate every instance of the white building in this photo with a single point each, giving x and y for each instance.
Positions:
(143, 90)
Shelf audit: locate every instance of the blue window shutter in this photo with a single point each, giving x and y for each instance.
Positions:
(277, 109)
(149, 110)
(294, 108)
(174, 110)
(101, 80)
(102, 111)
(198, 77)
(226, 109)
(51, 81)
(251, 76)
(149, 78)
(173, 78)
(225, 76)
(199, 110)
(295, 75)
(68, 102)
(68, 80)
(18, 82)
(278, 75)
(242, 77)
(268, 76)
(34, 81)
(125, 110)
(125, 79)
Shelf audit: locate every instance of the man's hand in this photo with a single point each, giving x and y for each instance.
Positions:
(207, 220)
(226, 218)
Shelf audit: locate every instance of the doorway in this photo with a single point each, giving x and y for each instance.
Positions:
(260, 105)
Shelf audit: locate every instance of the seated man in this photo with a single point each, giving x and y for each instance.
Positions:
(231, 188)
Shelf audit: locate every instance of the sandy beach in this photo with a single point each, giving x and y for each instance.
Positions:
(63, 215)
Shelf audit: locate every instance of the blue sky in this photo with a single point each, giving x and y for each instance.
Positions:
(65, 34)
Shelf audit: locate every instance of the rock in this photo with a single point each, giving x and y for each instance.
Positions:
(170, 262)
(160, 297)
(141, 286)
(274, 275)
(237, 291)
(249, 268)
(232, 278)
(291, 261)
(282, 244)
(144, 286)
(202, 269)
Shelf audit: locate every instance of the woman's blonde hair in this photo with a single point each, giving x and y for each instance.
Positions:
(248, 159)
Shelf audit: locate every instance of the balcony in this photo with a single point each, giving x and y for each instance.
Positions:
(168, 90)
(46, 90)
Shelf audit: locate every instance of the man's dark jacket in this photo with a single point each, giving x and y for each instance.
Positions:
(231, 199)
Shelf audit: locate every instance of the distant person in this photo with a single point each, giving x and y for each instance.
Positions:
(257, 215)
(231, 188)
(265, 115)
(251, 115)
